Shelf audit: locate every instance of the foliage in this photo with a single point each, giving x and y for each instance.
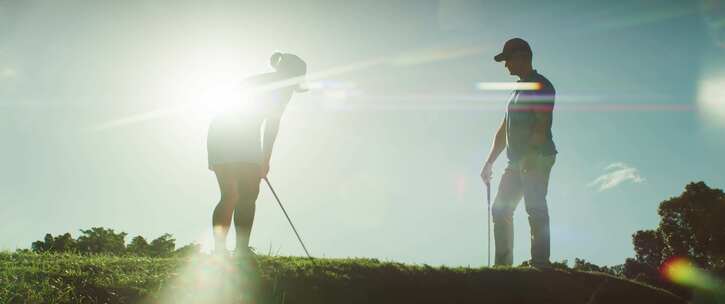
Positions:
(162, 246)
(564, 264)
(102, 240)
(584, 265)
(61, 243)
(690, 226)
(139, 246)
(99, 240)
(188, 250)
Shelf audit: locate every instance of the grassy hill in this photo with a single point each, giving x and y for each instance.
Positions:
(32, 278)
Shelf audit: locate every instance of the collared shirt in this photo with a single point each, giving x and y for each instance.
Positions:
(521, 118)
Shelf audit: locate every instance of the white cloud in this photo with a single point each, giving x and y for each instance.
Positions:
(617, 173)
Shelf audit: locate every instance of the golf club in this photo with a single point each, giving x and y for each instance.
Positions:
(287, 216)
(488, 219)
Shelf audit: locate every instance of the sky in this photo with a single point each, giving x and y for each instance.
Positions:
(105, 111)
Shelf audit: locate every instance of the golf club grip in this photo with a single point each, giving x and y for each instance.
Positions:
(488, 192)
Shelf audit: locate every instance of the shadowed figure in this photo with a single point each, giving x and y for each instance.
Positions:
(526, 134)
(239, 155)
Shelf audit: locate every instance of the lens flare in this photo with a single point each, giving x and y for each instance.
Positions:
(682, 271)
(433, 55)
(211, 279)
(509, 86)
(214, 83)
(711, 99)
(334, 89)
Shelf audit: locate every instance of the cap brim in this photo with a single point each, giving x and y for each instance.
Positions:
(499, 57)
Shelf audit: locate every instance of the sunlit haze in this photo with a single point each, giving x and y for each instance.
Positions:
(106, 105)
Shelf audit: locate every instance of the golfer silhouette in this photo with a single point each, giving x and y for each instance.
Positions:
(239, 154)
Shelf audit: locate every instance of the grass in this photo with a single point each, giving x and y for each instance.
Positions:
(48, 278)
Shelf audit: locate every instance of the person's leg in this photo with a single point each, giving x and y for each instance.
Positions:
(248, 186)
(535, 186)
(507, 198)
(222, 216)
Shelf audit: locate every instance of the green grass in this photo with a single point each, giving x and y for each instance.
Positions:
(32, 278)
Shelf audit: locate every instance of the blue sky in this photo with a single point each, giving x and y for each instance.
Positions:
(382, 160)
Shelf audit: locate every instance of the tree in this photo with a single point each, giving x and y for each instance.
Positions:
(584, 265)
(139, 246)
(44, 245)
(61, 243)
(163, 246)
(188, 250)
(564, 264)
(690, 226)
(64, 243)
(642, 272)
(101, 240)
(617, 270)
(649, 246)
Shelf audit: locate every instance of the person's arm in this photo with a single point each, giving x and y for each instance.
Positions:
(499, 143)
(271, 128)
(273, 115)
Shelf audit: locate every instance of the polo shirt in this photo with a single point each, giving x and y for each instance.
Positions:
(521, 118)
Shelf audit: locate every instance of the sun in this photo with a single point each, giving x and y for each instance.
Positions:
(711, 99)
(204, 81)
(194, 84)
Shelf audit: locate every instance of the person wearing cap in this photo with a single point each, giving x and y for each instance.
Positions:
(239, 147)
(525, 133)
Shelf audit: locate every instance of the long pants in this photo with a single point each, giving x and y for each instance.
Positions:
(531, 183)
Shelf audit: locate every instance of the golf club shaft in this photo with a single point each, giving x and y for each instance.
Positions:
(488, 219)
(287, 216)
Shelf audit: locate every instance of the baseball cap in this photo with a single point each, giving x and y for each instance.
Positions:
(512, 46)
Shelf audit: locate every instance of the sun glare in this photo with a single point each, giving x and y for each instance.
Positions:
(203, 278)
(205, 82)
(711, 99)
